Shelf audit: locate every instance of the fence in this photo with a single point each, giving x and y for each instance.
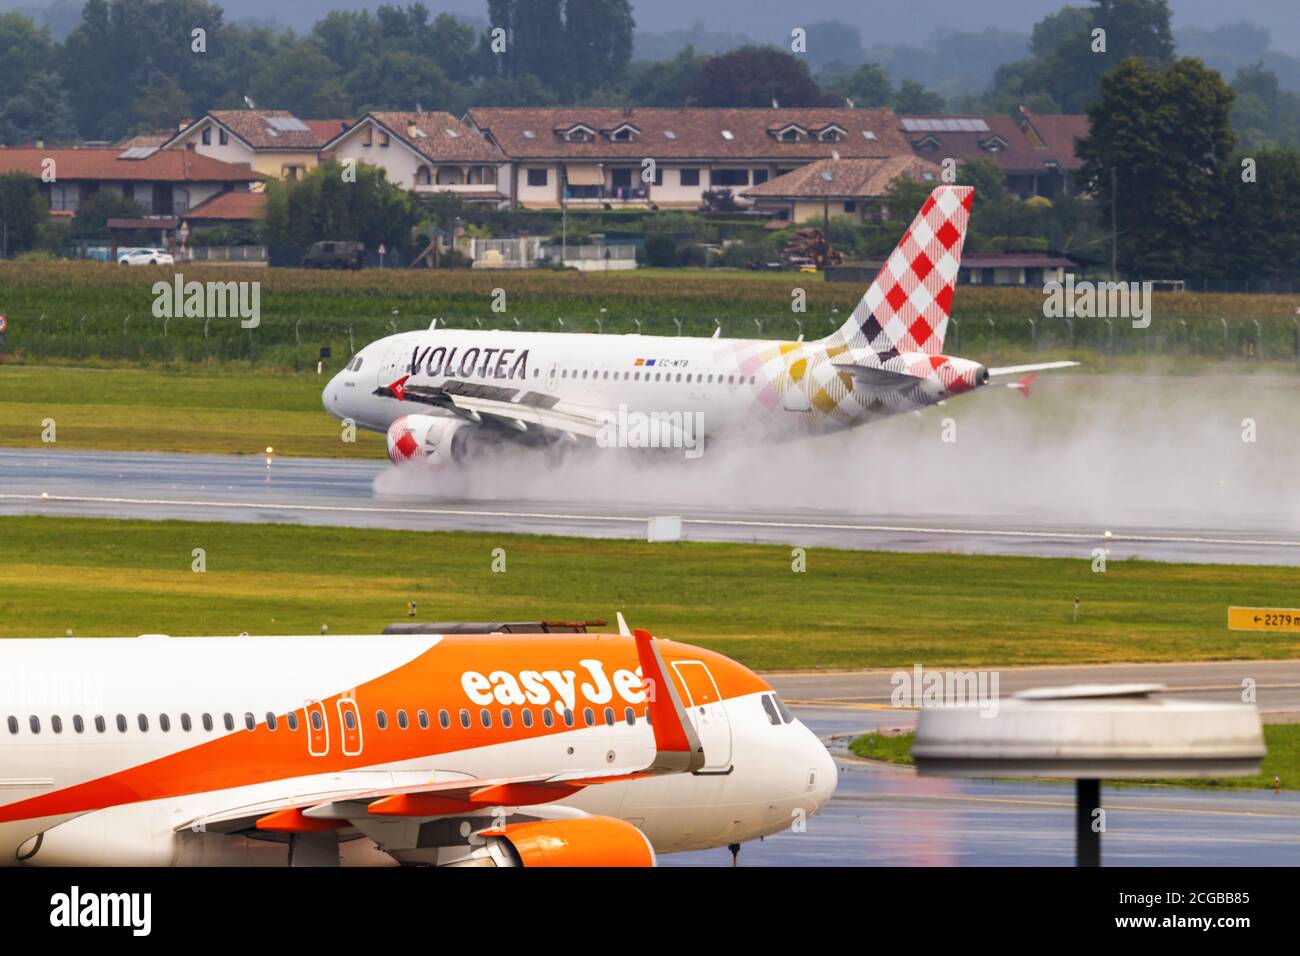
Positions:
(141, 337)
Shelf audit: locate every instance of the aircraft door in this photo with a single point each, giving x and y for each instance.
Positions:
(707, 713)
(552, 375)
(394, 365)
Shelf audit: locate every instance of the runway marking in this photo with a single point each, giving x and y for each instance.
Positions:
(628, 519)
(1061, 804)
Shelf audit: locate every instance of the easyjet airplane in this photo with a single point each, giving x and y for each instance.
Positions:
(456, 749)
(444, 394)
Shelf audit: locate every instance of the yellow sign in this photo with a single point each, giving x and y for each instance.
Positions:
(1264, 619)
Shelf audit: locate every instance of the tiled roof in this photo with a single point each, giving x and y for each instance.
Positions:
(327, 129)
(845, 178)
(269, 129)
(1046, 139)
(231, 205)
(437, 136)
(165, 165)
(700, 134)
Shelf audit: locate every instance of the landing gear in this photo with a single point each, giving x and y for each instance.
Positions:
(735, 853)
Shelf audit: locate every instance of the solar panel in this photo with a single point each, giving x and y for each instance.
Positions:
(727, 134)
(669, 134)
(453, 134)
(287, 124)
(528, 134)
(139, 152)
(826, 175)
(867, 134)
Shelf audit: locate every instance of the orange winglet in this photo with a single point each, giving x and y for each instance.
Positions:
(677, 745)
(1024, 383)
(420, 805)
(293, 821)
(521, 794)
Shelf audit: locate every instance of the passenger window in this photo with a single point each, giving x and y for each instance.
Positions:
(423, 718)
(271, 722)
(292, 719)
(13, 725)
(609, 716)
(35, 723)
(316, 722)
(444, 719)
(629, 715)
(773, 717)
(381, 720)
(185, 723)
(100, 726)
(121, 723)
(349, 720)
(207, 722)
(464, 719)
(527, 717)
(588, 716)
(568, 717)
(56, 724)
(249, 720)
(485, 717)
(402, 720)
(142, 722)
(548, 718)
(164, 722)
(229, 720)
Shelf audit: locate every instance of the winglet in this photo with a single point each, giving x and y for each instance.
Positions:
(398, 388)
(677, 746)
(1022, 385)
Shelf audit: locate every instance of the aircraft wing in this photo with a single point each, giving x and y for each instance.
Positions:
(1023, 369)
(512, 408)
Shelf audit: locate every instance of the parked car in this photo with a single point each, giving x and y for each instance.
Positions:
(335, 255)
(145, 257)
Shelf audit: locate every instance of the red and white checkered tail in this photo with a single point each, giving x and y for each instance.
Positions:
(906, 308)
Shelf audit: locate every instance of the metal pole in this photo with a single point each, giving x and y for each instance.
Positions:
(1113, 188)
(1087, 838)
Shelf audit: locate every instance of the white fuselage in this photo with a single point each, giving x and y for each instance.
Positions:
(107, 738)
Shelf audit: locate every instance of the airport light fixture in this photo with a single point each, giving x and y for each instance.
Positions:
(1087, 733)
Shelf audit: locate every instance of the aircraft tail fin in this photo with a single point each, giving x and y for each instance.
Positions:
(906, 308)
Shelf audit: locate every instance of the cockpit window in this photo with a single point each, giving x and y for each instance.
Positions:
(356, 364)
(785, 711)
(772, 716)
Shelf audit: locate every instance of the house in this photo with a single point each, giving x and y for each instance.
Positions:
(837, 188)
(1031, 269)
(656, 158)
(426, 152)
(166, 183)
(273, 142)
(228, 209)
(1036, 152)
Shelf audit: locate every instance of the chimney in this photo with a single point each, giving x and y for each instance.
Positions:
(184, 123)
(40, 144)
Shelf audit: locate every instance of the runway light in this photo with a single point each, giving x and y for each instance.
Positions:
(270, 450)
(45, 496)
(1107, 535)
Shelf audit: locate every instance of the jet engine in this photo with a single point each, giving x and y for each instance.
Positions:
(580, 841)
(434, 438)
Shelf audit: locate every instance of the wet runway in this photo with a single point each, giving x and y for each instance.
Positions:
(336, 492)
(883, 816)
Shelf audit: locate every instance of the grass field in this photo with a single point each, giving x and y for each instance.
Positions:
(89, 312)
(1282, 760)
(217, 411)
(103, 577)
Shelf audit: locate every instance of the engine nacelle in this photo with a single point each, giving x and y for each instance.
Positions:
(583, 841)
(432, 438)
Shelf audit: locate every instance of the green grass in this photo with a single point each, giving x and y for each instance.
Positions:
(1282, 761)
(83, 311)
(105, 577)
(218, 411)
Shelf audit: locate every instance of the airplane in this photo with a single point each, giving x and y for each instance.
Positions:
(445, 395)
(451, 749)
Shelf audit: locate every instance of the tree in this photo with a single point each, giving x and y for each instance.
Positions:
(22, 211)
(94, 212)
(324, 206)
(302, 80)
(1165, 134)
(666, 83)
(987, 178)
(38, 111)
(25, 49)
(867, 85)
(913, 99)
(1259, 232)
(755, 76)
